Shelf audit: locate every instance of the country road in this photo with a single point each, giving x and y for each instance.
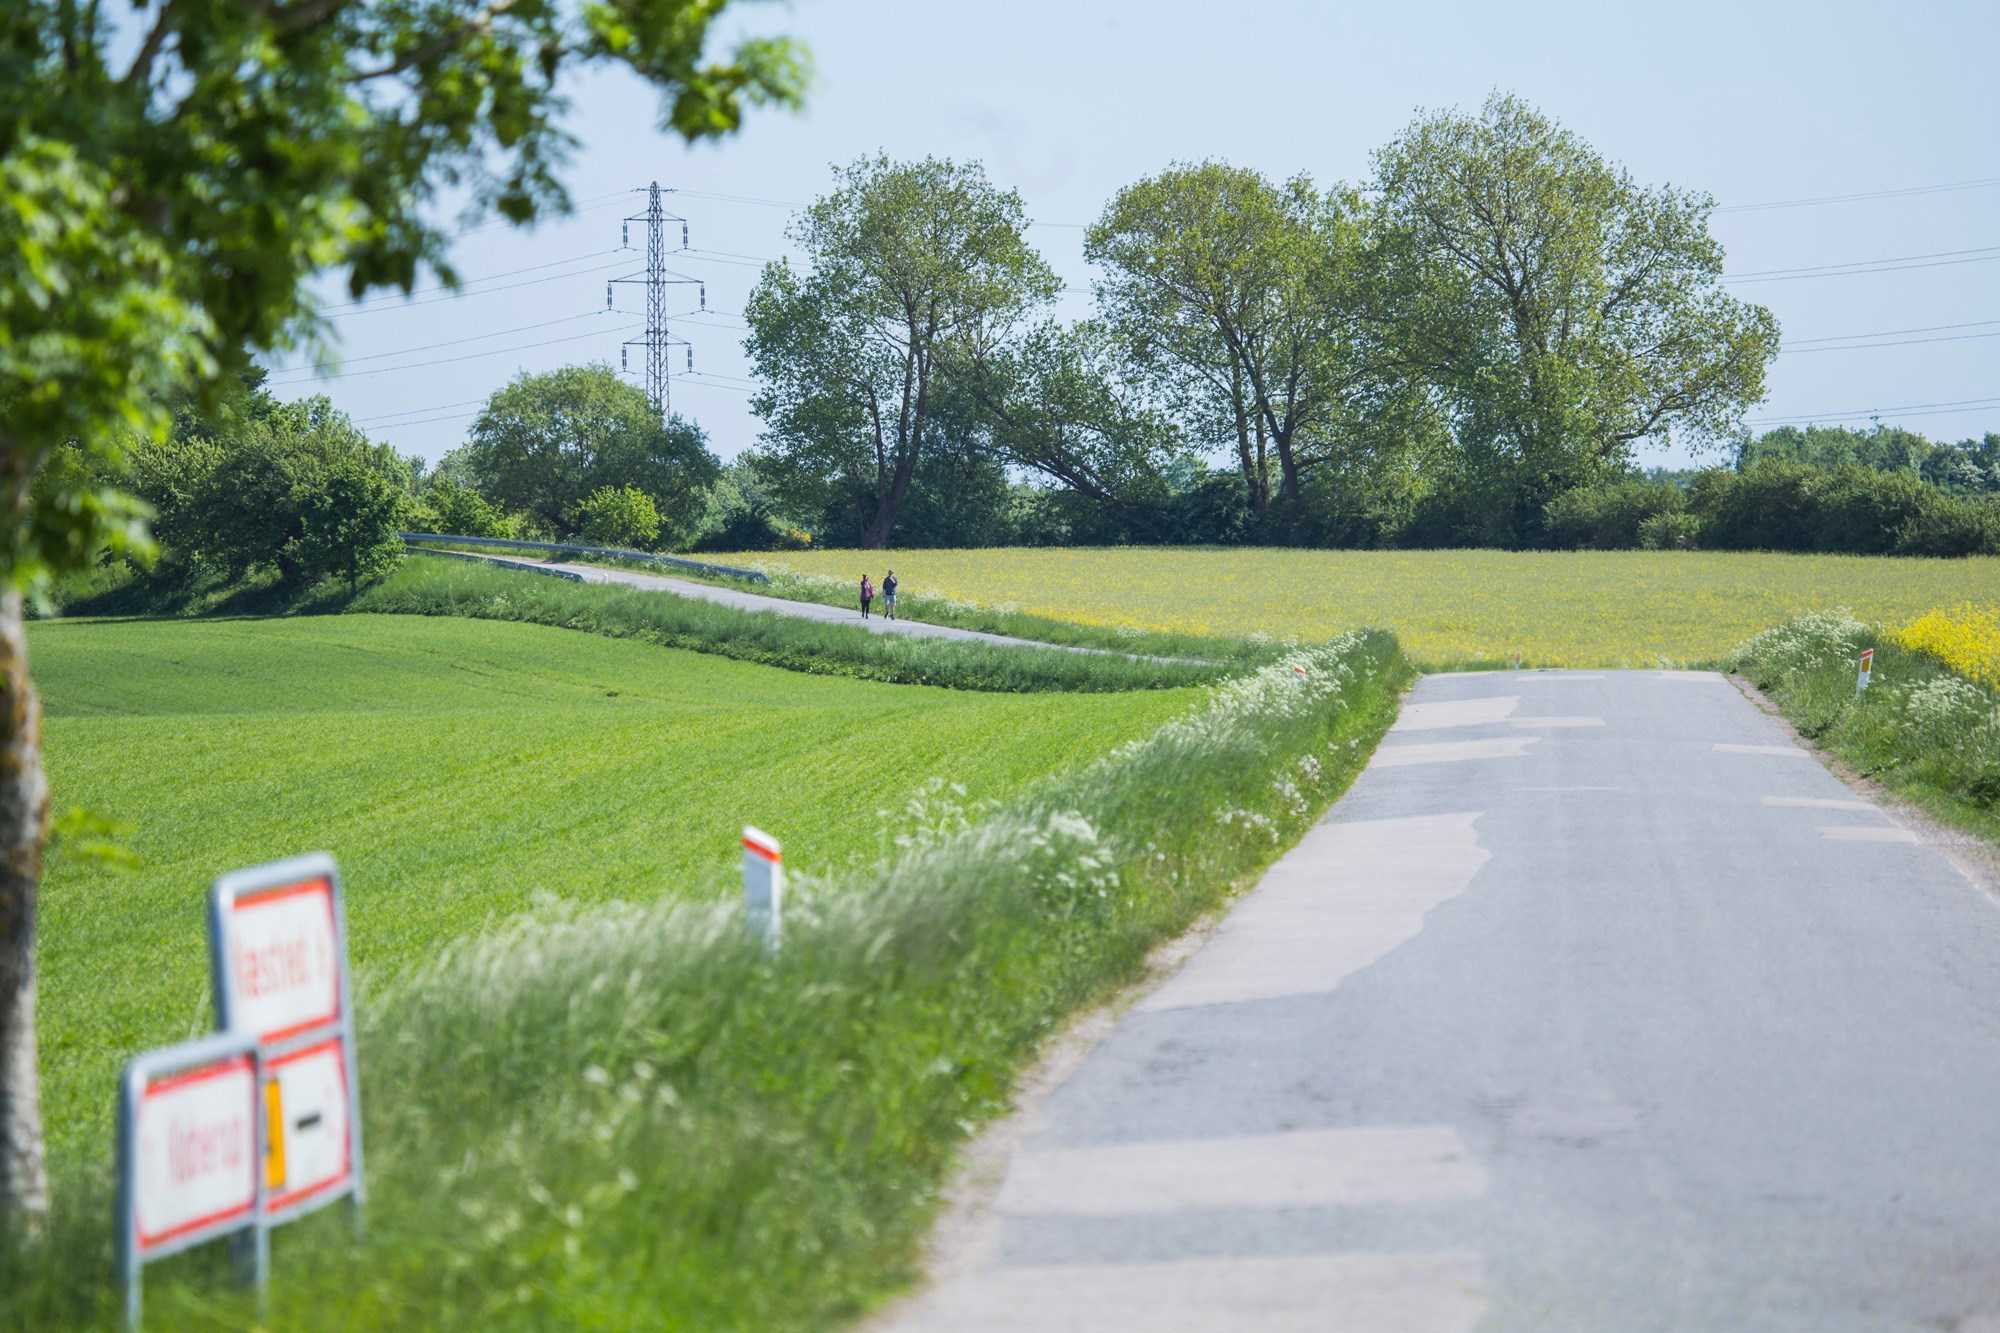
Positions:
(785, 606)
(1595, 1005)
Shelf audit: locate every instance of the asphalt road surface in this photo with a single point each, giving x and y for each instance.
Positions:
(1595, 1005)
(876, 623)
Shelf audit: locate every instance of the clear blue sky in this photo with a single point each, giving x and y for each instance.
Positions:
(1068, 101)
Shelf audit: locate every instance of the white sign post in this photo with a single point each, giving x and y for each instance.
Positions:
(189, 1145)
(277, 941)
(1867, 670)
(763, 886)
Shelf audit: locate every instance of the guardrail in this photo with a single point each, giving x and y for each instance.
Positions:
(567, 548)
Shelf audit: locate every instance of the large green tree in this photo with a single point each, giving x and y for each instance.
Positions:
(1243, 297)
(910, 268)
(1558, 310)
(547, 441)
(170, 177)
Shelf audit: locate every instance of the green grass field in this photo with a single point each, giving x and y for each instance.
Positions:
(1571, 608)
(457, 769)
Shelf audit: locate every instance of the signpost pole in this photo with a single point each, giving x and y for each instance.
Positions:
(763, 886)
(1861, 680)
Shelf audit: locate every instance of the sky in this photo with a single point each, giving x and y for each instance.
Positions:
(1758, 103)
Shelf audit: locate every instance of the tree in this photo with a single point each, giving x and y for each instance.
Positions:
(618, 516)
(547, 441)
(911, 267)
(158, 219)
(1558, 311)
(349, 518)
(1242, 296)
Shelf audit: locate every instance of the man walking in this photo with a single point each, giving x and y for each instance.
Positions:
(889, 595)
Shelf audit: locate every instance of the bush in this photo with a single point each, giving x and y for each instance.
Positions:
(348, 521)
(1610, 516)
(1674, 531)
(618, 516)
(1779, 506)
(1949, 525)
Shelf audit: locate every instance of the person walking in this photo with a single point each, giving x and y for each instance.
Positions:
(867, 595)
(889, 595)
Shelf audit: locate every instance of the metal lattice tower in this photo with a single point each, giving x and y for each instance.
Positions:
(658, 337)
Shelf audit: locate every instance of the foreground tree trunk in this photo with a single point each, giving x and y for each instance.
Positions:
(24, 822)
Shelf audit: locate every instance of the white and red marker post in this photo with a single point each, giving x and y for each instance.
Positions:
(278, 955)
(1867, 670)
(190, 1141)
(763, 886)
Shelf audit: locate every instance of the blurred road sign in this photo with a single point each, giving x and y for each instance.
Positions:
(278, 954)
(188, 1148)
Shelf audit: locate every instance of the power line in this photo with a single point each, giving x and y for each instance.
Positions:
(1900, 342)
(1908, 409)
(1983, 183)
(488, 291)
(1887, 264)
(506, 273)
(469, 356)
(426, 347)
(1886, 333)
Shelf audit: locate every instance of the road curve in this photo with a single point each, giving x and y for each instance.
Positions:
(785, 606)
(1595, 1005)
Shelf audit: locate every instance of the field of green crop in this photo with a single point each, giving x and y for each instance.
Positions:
(458, 769)
(1572, 608)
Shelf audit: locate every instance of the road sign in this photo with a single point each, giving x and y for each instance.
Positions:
(763, 885)
(278, 954)
(306, 1101)
(189, 1142)
(1867, 670)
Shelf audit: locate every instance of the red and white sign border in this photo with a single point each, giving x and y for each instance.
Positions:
(300, 874)
(148, 1074)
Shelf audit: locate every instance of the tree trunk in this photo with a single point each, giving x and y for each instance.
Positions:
(1253, 466)
(24, 823)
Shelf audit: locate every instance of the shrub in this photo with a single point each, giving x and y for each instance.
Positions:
(1673, 531)
(1610, 516)
(348, 517)
(618, 516)
(1949, 525)
(1779, 506)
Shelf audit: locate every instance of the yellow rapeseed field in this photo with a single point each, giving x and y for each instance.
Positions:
(1965, 638)
(1582, 608)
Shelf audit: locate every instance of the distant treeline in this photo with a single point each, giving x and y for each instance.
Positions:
(1880, 490)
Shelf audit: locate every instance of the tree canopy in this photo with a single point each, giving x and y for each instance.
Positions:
(547, 441)
(910, 268)
(1558, 310)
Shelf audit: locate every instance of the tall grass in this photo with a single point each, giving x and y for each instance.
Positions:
(438, 587)
(628, 1116)
(1921, 728)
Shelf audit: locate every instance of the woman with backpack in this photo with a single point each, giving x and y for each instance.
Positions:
(867, 595)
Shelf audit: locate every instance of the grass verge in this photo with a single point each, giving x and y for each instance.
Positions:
(459, 770)
(626, 1115)
(935, 609)
(455, 588)
(1921, 729)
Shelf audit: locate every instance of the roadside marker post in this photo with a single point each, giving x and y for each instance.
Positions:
(190, 1143)
(1867, 670)
(277, 947)
(763, 886)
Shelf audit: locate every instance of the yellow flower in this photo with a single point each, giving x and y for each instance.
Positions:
(1965, 638)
